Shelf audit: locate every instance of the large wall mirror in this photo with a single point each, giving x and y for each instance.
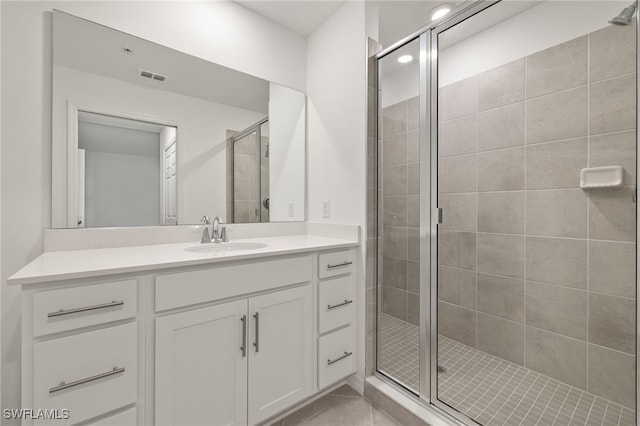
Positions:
(146, 135)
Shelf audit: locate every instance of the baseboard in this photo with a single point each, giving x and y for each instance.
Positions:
(356, 382)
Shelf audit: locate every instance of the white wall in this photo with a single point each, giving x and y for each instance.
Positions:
(336, 90)
(400, 85)
(545, 25)
(122, 190)
(548, 24)
(222, 32)
(286, 153)
(201, 141)
(219, 31)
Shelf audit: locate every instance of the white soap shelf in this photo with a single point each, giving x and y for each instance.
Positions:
(601, 177)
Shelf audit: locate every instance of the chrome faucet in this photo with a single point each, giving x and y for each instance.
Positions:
(215, 232)
(205, 234)
(218, 232)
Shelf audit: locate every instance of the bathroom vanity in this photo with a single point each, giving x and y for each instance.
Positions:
(187, 334)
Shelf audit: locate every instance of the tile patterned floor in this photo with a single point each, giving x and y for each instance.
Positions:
(491, 390)
(399, 354)
(342, 407)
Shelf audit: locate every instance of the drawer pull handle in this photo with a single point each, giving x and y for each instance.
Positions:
(346, 302)
(333, 361)
(64, 385)
(337, 265)
(256, 344)
(243, 348)
(62, 312)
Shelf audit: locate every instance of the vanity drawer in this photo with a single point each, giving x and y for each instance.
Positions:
(222, 282)
(125, 418)
(336, 357)
(99, 369)
(74, 307)
(335, 263)
(335, 303)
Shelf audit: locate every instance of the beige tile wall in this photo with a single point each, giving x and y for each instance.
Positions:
(400, 211)
(241, 179)
(374, 237)
(532, 268)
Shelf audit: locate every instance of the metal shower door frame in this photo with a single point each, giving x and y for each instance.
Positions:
(478, 7)
(428, 154)
(428, 142)
(257, 129)
(472, 10)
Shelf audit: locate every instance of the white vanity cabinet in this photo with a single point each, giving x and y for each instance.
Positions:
(336, 316)
(234, 342)
(80, 351)
(280, 351)
(244, 360)
(236, 363)
(201, 369)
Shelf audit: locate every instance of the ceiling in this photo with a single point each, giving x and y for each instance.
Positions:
(97, 49)
(302, 17)
(392, 12)
(397, 18)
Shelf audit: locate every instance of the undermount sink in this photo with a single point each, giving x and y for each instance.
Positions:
(222, 247)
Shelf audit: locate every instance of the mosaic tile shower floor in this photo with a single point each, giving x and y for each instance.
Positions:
(491, 390)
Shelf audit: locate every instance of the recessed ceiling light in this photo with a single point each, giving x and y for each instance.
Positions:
(440, 11)
(405, 59)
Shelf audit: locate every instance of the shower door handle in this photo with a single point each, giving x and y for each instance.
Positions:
(634, 194)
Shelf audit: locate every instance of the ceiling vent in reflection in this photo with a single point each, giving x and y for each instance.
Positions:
(151, 75)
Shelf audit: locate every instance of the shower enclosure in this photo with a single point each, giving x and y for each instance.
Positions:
(248, 174)
(506, 173)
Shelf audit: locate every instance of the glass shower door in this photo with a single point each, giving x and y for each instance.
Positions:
(249, 170)
(536, 273)
(398, 307)
(246, 179)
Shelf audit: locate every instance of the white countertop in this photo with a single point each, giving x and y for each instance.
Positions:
(73, 264)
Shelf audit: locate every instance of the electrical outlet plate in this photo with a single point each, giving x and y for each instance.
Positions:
(326, 209)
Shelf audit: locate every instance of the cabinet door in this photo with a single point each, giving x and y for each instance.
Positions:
(201, 371)
(280, 356)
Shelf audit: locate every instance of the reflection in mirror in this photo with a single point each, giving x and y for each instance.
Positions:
(126, 172)
(224, 143)
(248, 184)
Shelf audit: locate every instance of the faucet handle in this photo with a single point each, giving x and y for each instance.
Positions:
(205, 220)
(206, 238)
(223, 235)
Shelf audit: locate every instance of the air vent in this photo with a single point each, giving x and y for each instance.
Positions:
(151, 75)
